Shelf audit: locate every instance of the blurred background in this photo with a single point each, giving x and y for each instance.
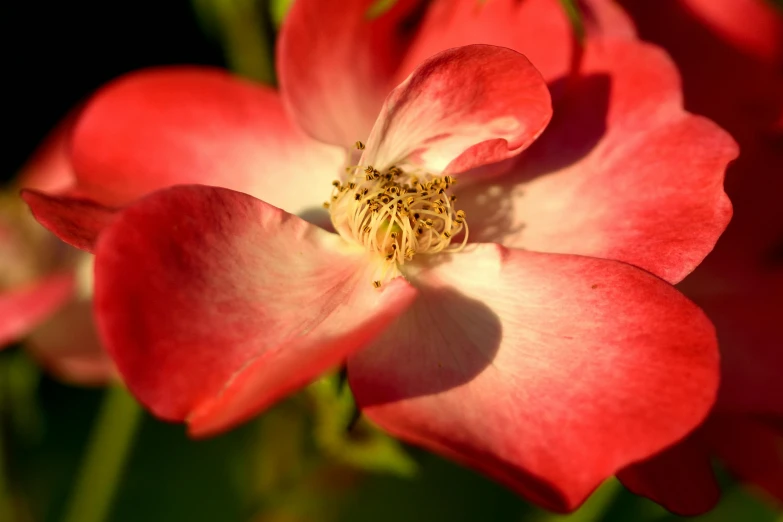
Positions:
(297, 462)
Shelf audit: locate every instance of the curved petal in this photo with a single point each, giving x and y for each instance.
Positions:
(161, 127)
(214, 304)
(749, 104)
(336, 65)
(548, 372)
(49, 168)
(76, 221)
(462, 108)
(751, 450)
(680, 478)
(22, 309)
(539, 29)
(755, 26)
(621, 173)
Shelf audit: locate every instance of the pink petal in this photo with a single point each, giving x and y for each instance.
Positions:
(22, 309)
(751, 450)
(336, 66)
(680, 478)
(539, 29)
(547, 372)
(76, 221)
(214, 304)
(622, 172)
(167, 126)
(462, 108)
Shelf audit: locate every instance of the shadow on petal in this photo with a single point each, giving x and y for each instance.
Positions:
(442, 342)
(578, 125)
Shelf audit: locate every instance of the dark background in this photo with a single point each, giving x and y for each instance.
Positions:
(57, 52)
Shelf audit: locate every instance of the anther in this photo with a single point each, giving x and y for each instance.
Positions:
(376, 284)
(359, 145)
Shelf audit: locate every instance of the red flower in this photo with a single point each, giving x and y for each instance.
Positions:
(730, 53)
(42, 294)
(548, 369)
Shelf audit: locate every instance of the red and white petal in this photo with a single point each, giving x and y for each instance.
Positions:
(462, 108)
(179, 125)
(24, 308)
(539, 29)
(751, 450)
(621, 173)
(547, 372)
(680, 478)
(336, 66)
(214, 304)
(76, 221)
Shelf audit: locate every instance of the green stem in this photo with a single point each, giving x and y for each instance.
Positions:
(109, 446)
(575, 17)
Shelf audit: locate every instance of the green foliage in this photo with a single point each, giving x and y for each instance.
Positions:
(278, 10)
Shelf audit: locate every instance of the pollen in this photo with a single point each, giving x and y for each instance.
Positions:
(397, 214)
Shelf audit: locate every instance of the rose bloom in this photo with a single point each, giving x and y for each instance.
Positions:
(498, 285)
(730, 53)
(45, 286)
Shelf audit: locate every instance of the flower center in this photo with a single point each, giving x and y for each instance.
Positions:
(396, 214)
